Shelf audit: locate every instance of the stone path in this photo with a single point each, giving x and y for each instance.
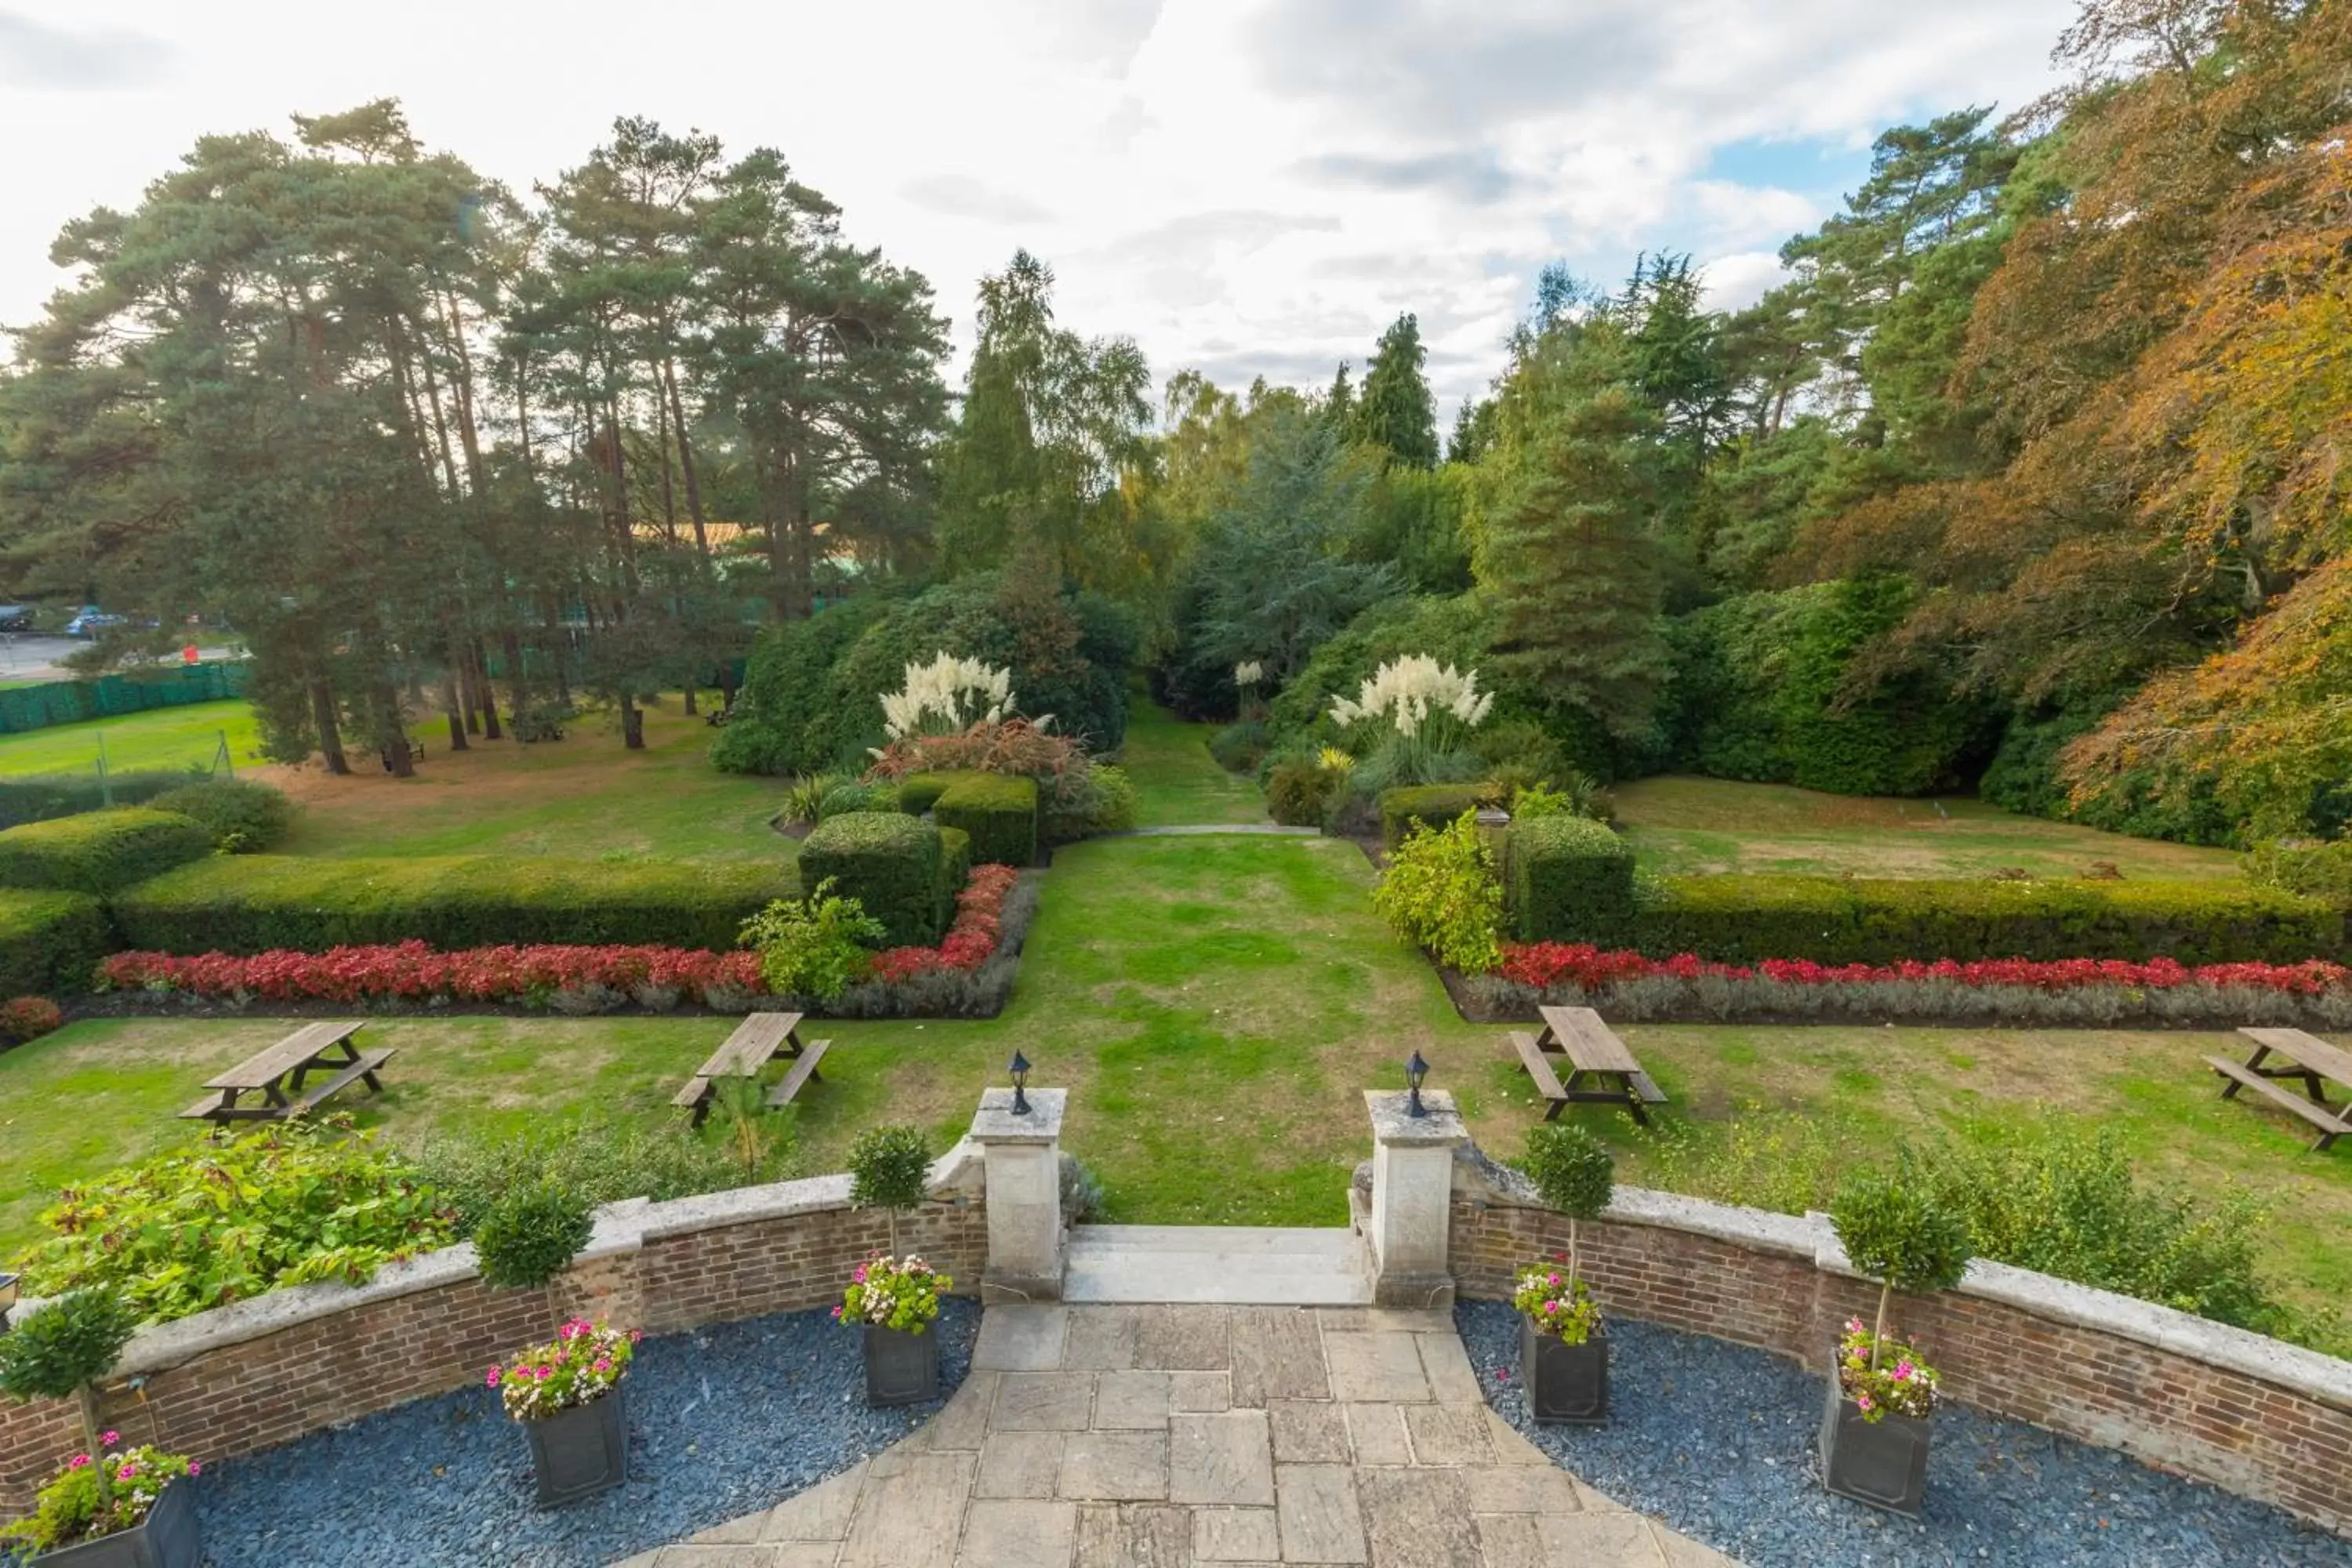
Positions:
(1164, 1437)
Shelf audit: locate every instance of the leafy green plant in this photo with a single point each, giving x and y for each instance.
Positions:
(1440, 892)
(890, 1168)
(1787, 1161)
(61, 1351)
(1895, 1231)
(817, 946)
(1574, 1173)
(1529, 802)
(1298, 793)
(751, 1132)
(2317, 870)
(245, 816)
(533, 1233)
(606, 1162)
(220, 1221)
(98, 1493)
(804, 796)
(894, 1293)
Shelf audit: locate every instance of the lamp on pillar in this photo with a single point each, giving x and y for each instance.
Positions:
(1020, 1071)
(1415, 1071)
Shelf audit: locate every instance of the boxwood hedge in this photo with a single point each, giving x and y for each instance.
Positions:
(889, 862)
(251, 903)
(1745, 919)
(1568, 879)
(999, 811)
(99, 851)
(918, 793)
(49, 940)
(1435, 804)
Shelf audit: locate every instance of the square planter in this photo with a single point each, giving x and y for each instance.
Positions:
(901, 1368)
(1882, 1463)
(1565, 1383)
(166, 1538)
(579, 1452)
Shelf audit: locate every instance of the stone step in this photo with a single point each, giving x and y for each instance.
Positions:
(1225, 1264)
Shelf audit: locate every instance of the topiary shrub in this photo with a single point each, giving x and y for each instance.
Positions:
(244, 817)
(1000, 812)
(24, 1019)
(100, 852)
(1104, 802)
(254, 904)
(889, 862)
(50, 941)
(1427, 805)
(1571, 879)
(1574, 1173)
(62, 1352)
(532, 1234)
(955, 870)
(918, 793)
(890, 1169)
(1895, 1231)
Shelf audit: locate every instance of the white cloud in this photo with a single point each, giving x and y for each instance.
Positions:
(1732, 283)
(1243, 185)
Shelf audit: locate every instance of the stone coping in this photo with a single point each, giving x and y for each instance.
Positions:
(621, 1228)
(2323, 1378)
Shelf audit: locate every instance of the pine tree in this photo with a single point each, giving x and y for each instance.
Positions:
(1396, 411)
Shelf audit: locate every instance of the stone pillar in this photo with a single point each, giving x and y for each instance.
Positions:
(1023, 1161)
(1412, 1197)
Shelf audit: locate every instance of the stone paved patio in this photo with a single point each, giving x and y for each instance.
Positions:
(1160, 1436)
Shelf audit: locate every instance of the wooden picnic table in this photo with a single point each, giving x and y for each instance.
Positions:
(280, 1075)
(759, 1039)
(1602, 1070)
(2308, 1059)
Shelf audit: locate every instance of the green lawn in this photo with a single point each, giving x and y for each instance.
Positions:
(160, 738)
(1693, 827)
(1177, 781)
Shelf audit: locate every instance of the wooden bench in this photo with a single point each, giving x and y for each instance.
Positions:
(281, 1074)
(1601, 1071)
(2308, 1059)
(759, 1039)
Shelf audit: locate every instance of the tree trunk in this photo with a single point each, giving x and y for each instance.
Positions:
(633, 723)
(1878, 1334)
(331, 732)
(86, 1399)
(398, 759)
(518, 695)
(468, 695)
(686, 466)
(454, 707)
(691, 710)
(490, 731)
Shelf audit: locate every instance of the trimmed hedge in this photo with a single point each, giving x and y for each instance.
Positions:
(999, 811)
(889, 862)
(918, 793)
(1568, 879)
(42, 797)
(50, 941)
(1746, 920)
(1435, 804)
(252, 904)
(955, 870)
(101, 851)
(244, 817)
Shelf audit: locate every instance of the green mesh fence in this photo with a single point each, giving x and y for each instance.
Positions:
(27, 707)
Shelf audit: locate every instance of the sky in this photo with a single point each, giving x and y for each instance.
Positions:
(1247, 188)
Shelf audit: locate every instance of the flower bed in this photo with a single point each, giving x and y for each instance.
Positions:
(967, 974)
(2158, 993)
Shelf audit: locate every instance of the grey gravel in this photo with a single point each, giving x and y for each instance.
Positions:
(1716, 1439)
(723, 1422)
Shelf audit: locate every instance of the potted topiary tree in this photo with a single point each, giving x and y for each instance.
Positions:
(567, 1394)
(894, 1299)
(1874, 1430)
(1563, 1346)
(109, 1507)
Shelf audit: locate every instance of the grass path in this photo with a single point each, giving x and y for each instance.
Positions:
(180, 737)
(1177, 781)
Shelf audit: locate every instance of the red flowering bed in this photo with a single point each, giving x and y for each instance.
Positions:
(970, 941)
(412, 972)
(1545, 964)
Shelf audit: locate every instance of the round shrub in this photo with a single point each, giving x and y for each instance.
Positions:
(888, 1168)
(65, 1347)
(1299, 794)
(1895, 1231)
(24, 1019)
(244, 817)
(1571, 1169)
(531, 1235)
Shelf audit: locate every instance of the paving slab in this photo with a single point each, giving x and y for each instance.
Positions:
(1144, 1536)
(1026, 1534)
(1099, 1339)
(1137, 1400)
(1183, 1339)
(1226, 1458)
(1378, 1365)
(1236, 1535)
(1320, 1519)
(1376, 1435)
(1019, 1465)
(821, 1513)
(1016, 1338)
(910, 1511)
(1201, 1390)
(1278, 1355)
(1309, 1431)
(1452, 1434)
(1606, 1539)
(1115, 1467)
(1043, 1402)
(1422, 1518)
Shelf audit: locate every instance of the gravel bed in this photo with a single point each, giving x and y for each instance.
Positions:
(1716, 1439)
(723, 1422)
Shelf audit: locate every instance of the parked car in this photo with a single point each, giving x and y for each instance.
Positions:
(91, 620)
(15, 618)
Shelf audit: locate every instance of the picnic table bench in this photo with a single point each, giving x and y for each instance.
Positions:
(759, 1039)
(1601, 1071)
(280, 1075)
(2308, 1058)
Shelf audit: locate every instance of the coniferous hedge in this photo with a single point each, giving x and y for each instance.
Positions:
(252, 904)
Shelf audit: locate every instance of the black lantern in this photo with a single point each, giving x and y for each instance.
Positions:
(1415, 1071)
(1020, 1071)
(7, 1298)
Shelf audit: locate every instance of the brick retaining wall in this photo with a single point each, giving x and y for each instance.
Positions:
(264, 1371)
(2248, 1414)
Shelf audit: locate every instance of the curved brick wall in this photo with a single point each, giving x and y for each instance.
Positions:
(252, 1375)
(2248, 1414)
